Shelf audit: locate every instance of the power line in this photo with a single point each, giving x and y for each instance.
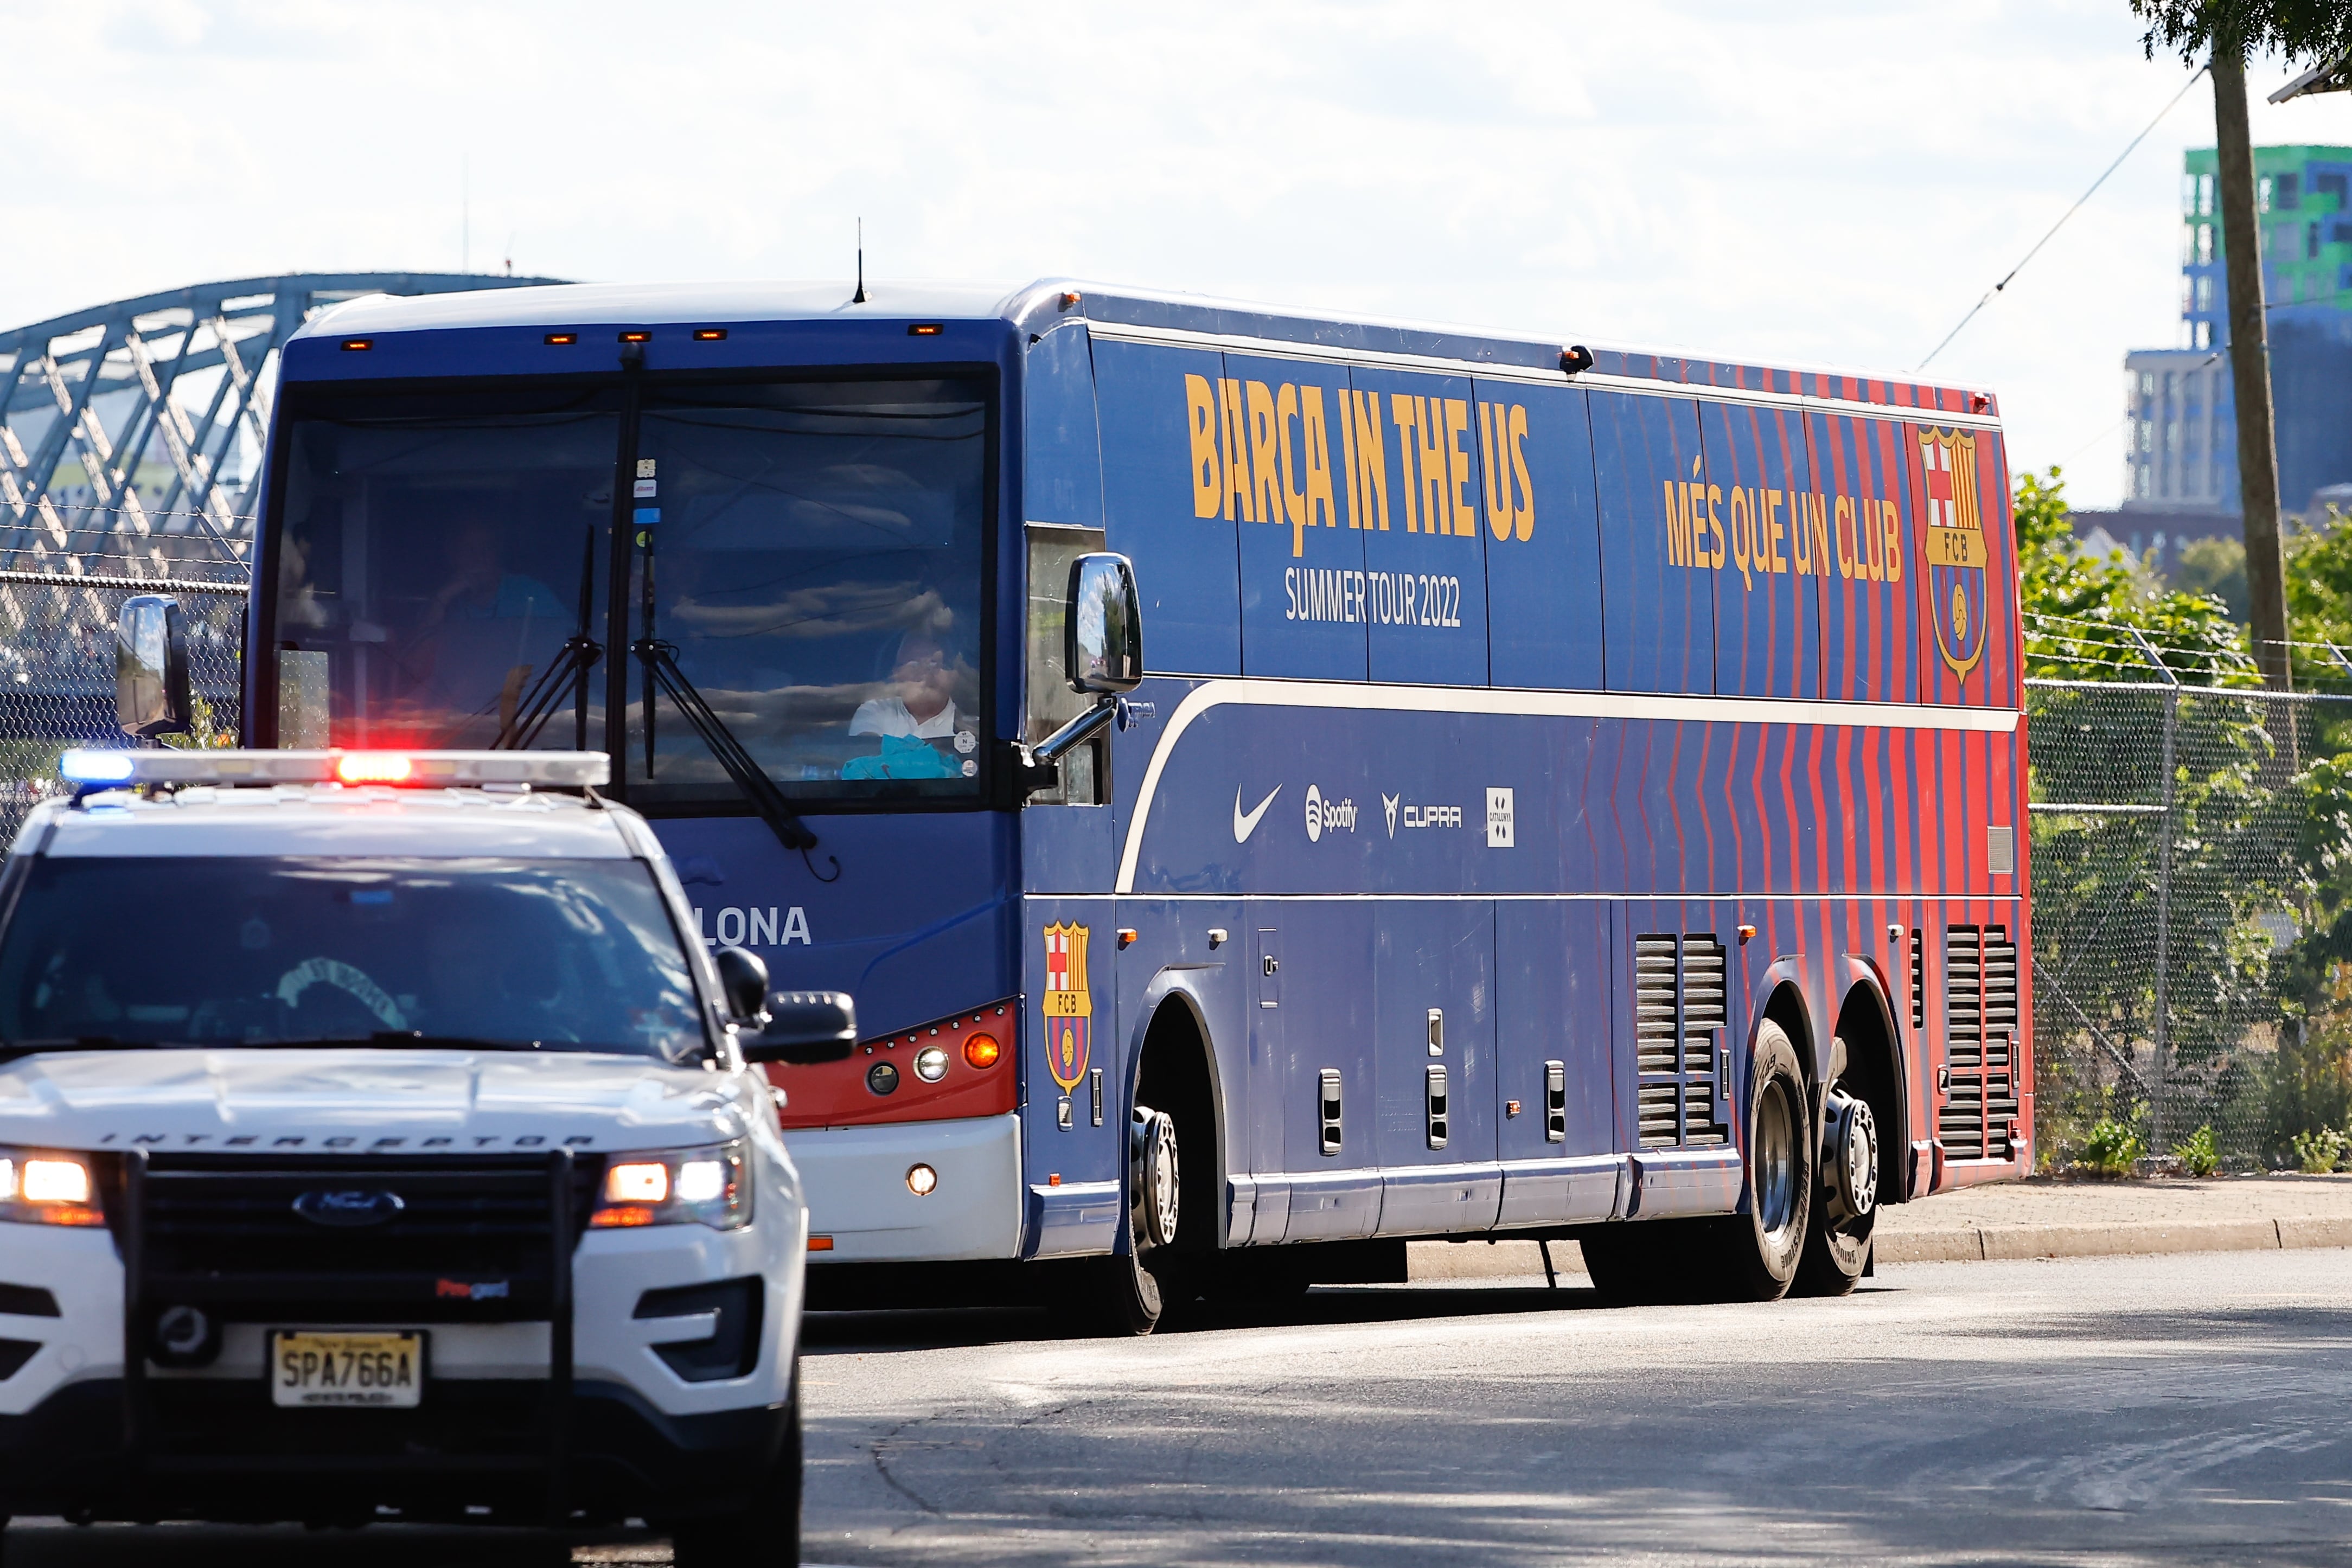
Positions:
(2069, 213)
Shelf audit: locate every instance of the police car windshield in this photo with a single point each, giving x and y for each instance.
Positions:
(551, 955)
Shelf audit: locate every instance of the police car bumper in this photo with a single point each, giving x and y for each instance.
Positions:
(684, 1341)
(862, 1208)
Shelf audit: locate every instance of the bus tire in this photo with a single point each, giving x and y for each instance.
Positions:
(1845, 1197)
(1128, 1290)
(1753, 1257)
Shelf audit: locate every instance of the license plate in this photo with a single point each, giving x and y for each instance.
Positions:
(370, 1371)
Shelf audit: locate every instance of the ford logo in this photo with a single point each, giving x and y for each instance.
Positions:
(348, 1207)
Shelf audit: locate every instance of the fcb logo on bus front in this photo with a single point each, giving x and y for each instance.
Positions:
(1955, 546)
(1067, 1006)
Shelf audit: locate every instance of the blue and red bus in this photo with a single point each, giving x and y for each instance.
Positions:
(1566, 792)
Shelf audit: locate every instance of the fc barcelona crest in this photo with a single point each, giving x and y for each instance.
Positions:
(1067, 1005)
(1956, 547)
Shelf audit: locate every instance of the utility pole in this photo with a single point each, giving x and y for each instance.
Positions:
(2249, 365)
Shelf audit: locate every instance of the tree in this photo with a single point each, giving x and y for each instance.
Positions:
(2225, 32)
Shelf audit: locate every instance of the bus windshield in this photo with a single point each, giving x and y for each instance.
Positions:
(809, 553)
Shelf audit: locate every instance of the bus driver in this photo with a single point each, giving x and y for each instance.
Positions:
(917, 709)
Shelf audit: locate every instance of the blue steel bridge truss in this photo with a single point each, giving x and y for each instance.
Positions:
(122, 426)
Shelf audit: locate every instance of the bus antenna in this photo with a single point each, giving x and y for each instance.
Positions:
(859, 298)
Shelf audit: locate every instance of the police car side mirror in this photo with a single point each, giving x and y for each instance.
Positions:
(806, 1028)
(743, 979)
(150, 667)
(1102, 627)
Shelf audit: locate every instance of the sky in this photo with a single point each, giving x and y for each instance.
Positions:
(1821, 181)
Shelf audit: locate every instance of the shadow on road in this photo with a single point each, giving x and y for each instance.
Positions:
(1326, 1305)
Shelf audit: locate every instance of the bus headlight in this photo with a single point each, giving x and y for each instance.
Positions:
(40, 1188)
(687, 1186)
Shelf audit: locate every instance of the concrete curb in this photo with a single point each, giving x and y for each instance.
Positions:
(1507, 1259)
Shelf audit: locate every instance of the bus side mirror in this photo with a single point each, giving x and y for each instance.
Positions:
(1102, 650)
(150, 668)
(804, 1028)
(1102, 627)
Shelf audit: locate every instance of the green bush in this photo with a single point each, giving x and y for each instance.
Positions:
(2200, 1155)
(2321, 1151)
(2113, 1144)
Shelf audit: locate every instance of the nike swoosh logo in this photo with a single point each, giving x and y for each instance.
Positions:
(1245, 822)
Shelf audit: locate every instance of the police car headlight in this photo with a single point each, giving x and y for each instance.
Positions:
(39, 1188)
(688, 1186)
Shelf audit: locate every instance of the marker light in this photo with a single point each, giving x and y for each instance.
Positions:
(559, 340)
(1070, 298)
(79, 766)
(931, 1063)
(373, 767)
(710, 334)
(926, 330)
(982, 1050)
(638, 1182)
(921, 1179)
(636, 337)
(358, 345)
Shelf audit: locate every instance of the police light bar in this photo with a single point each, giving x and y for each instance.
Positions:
(427, 769)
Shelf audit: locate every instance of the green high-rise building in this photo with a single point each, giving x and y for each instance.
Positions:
(2180, 454)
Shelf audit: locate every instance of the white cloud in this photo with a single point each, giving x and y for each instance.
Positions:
(1833, 181)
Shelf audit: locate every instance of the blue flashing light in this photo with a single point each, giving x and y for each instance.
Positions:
(82, 766)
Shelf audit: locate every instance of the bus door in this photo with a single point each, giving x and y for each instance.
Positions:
(1315, 993)
(1434, 1044)
(1553, 1007)
(1684, 1012)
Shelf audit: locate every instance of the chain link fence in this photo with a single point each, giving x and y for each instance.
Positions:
(2188, 844)
(57, 669)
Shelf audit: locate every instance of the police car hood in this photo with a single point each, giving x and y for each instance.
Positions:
(302, 1100)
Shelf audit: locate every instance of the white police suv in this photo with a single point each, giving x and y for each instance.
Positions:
(377, 1142)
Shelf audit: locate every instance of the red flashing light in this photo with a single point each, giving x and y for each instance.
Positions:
(373, 767)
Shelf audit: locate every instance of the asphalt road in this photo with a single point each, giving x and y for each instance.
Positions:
(2165, 1410)
(2108, 1412)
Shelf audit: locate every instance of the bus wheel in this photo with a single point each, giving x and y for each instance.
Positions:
(1845, 1198)
(1755, 1253)
(1129, 1287)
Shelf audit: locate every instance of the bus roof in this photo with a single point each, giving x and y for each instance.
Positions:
(1030, 307)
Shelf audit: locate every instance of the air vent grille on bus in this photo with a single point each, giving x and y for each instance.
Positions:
(1979, 1103)
(1680, 1009)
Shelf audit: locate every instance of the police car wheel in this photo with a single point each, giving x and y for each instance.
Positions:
(764, 1533)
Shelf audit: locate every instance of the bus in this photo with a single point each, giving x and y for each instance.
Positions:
(1278, 786)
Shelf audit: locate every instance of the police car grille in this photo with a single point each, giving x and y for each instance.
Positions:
(234, 1227)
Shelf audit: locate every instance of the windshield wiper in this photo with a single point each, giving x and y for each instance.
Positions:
(522, 719)
(660, 660)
